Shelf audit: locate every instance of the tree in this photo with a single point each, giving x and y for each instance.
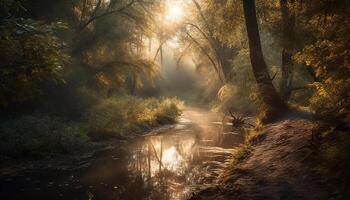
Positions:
(201, 33)
(30, 54)
(288, 43)
(326, 53)
(274, 105)
(107, 42)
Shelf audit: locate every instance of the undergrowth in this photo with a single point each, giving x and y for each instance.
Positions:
(119, 116)
(38, 135)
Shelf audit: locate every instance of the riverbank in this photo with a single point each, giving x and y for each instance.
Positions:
(163, 164)
(82, 159)
(37, 142)
(277, 162)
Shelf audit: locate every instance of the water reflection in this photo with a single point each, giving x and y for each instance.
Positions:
(163, 162)
(158, 167)
(171, 164)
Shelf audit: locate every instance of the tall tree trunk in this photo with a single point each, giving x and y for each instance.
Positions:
(149, 47)
(288, 42)
(274, 105)
(161, 57)
(227, 54)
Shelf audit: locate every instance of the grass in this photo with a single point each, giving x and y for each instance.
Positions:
(242, 152)
(38, 135)
(254, 137)
(120, 116)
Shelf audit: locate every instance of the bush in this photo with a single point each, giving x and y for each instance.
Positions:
(329, 58)
(35, 136)
(42, 135)
(65, 101)
(118, 116)
(167, 111)
(235, 98)
(30, 53)
(331, 102)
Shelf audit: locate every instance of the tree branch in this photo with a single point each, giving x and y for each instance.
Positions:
(93, 17)
(183, 53)
(202, 16)
(212, 45)
(308, 86)
(206, 53)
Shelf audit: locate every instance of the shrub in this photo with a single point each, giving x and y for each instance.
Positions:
(329, 58)
(41, 135)
(236, 98)
(168, 110)
(107, 117)
(331, 102)
(30, 53)
(118, 116)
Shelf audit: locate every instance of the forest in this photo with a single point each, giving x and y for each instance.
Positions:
(175, 99)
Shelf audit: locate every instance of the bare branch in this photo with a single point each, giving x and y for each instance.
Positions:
(159, 48)
(183, 53)
(212, 45)
(93, 17)
(207, 54)
(202, 16)
(308, 86)
(274, 76)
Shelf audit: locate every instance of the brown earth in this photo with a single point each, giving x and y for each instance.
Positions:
(276, 168)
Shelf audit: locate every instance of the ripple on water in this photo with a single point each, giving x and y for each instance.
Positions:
(160, 166)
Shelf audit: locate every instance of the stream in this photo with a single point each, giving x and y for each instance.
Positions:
(167, 165)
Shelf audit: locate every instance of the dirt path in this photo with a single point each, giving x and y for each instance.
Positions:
(277, 167)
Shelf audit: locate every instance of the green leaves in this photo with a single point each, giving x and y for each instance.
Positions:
(30, 53)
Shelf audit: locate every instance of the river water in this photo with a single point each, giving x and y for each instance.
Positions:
(168, 165)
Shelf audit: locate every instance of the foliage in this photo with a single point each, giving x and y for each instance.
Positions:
(40, 135)
(30, 54)
(109, 42)
(114, 74)
(236, 98)
(107, 58)
(105, 38)
(66, 101)
(328, 56)
(119, 116)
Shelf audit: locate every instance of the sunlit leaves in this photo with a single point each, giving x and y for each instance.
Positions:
(112, 46)
(328, 55)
